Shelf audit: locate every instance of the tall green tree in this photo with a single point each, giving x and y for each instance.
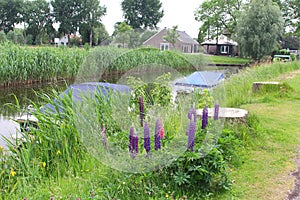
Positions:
(38, 17)
(92, 16)
(217, 16)
(10, 14)
(172, 35)
(142, 13)
(258, 29)
(69, 13)
(122, 33)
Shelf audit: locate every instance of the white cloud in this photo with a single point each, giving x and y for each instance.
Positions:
(176, 12)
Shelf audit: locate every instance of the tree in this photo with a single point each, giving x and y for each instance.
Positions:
(258, 28)
(142, 13)
(10, 14)
(38, 17)
(122, 33)
(69, 13)
(172, 36)
(217, 16)
(290, 42)
(101, 34)
(93, 13)
(295, 15)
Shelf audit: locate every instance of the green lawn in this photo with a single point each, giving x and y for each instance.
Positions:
(226, 60)
(270, 158)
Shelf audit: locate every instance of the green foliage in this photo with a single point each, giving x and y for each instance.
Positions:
(37, 15)
(122, 33)
(217, 17)
(158, 93)
(2, 37)
(204, 98)
(258, 28)
(10, 14)
(142, 13)
(172, 35)
(15, 37)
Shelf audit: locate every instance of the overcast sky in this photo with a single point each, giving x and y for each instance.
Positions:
(176, 12)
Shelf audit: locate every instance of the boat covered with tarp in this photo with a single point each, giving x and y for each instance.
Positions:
(203, 79)
(77, 92)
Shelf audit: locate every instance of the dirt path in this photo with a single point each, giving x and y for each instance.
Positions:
(295, 194)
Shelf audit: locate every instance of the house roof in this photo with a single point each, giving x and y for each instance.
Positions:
(222, 40)
(183, 37)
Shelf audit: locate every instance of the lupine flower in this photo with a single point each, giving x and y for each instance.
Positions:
(204, 117)
(136, 144)
(191, 135)
(157, 144)
(162, 132)
(158, 126)
(192, 113)
(216, 111)
(147, 138)
(133, 143)
(142, 110)
(130, 146)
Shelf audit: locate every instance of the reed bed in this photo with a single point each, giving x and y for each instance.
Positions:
(25, 65)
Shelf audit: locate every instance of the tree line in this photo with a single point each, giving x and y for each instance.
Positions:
(259, 26)
(38, 17)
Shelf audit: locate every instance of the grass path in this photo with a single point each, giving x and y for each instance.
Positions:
(271, 158)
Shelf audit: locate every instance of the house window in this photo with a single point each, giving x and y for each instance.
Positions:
(164, 46)
(185, 48)
(224, 49)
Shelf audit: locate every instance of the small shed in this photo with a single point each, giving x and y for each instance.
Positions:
(220, 46)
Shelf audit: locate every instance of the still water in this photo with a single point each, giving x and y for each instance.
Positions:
(11, 97)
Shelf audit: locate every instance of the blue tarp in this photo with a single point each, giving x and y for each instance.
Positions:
(84, 90)
(205, 79)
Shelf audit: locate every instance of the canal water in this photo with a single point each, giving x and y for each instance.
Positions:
(11, 97)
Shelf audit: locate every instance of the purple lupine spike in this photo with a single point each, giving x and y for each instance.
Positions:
(157, 137)
(204, 117)
(191, 135)
(216, 111)
(131, 139)
(142, 110)
(157, 144)
(147, 137)
(136, 144)
(157, 126)
(104, 137)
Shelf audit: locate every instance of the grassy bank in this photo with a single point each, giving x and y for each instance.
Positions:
(227, 60)
(268, 157)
